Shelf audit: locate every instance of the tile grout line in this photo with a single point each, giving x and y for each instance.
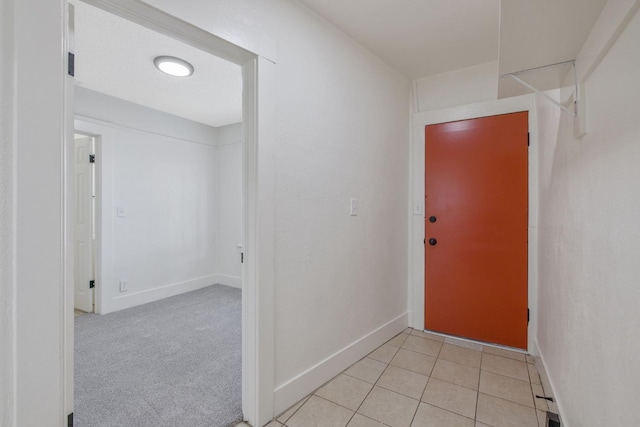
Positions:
(374, 384)
(314, 393)
(475, 418)
(305, 399)
(427, 383)
(533, 394)
(446, 409)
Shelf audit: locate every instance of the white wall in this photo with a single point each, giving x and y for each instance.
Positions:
(345, 135)
(230, 205)
(163, 170)
(125, 114)
(7, 220)
(341, 120)
(342, 117)
(589, 245)
(32, 325)
(459, 87)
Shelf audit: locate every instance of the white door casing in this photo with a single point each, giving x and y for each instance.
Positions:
(83, 229)
(416, 221)
(259, 133)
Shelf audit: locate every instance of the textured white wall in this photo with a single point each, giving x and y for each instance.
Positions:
(7, 219)
(162, 170)
(589, 246)
(342, 117)
(459, 87)
(342, 131)
(92, 104)
(31, 261)
(344, 135)
(230, 204)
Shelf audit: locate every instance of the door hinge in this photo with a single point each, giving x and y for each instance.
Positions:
(528, 139)
(528, 315)
(71, 64)
(92, 158)
(70, 420)
(92, 284)
(241, 257)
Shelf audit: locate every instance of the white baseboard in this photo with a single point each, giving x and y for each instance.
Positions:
(547, 385)
(285, 395)
(128, 300)
(223, 279)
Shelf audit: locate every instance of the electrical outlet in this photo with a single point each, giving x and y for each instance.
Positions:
(123, 285)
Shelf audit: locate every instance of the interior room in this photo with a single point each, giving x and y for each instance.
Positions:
(348, 109)
(158, 162)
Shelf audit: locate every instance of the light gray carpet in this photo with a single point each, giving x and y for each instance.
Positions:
(170, 363)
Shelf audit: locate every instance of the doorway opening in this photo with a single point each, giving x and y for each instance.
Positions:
(476, 208)
(166, 179)
(419, 218)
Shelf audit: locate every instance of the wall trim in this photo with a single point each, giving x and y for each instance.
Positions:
(259, 130)
(548, 385)
(416, 188)
(223, 279)
(231, 145)
(296, 388)
(128, 300)
(102, 122)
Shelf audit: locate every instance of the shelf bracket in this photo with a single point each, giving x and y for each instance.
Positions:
(573, 112)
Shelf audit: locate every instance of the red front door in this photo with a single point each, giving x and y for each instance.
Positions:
(476, 204)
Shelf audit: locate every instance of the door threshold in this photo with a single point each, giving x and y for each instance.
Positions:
(473, 344)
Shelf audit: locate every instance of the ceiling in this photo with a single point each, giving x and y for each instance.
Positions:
(424, 37)
(537, 33)
(419, 37)
(115, 56)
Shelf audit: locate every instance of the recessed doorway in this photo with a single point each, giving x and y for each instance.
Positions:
(166, 179)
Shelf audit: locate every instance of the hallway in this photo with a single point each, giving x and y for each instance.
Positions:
(419, 379)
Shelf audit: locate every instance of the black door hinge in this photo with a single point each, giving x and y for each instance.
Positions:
(241, 257)
(528, 314)
(70, 420)
(71, 64)
(528, 139)
(92, 284)
(92, 158)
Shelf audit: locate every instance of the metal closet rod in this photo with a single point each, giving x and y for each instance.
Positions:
(515, 73)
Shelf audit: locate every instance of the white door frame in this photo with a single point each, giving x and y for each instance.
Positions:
(258, 126)
(416, 221)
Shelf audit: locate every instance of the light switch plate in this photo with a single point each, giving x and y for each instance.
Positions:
(121, 211)
(354, 207)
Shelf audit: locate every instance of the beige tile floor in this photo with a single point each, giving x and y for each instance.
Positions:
(422, 380)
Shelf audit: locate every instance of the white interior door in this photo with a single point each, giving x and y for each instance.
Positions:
(83, 149)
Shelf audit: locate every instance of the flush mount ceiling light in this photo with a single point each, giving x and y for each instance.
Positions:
(173, 66)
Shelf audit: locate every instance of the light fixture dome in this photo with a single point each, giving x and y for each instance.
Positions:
(173, 66)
